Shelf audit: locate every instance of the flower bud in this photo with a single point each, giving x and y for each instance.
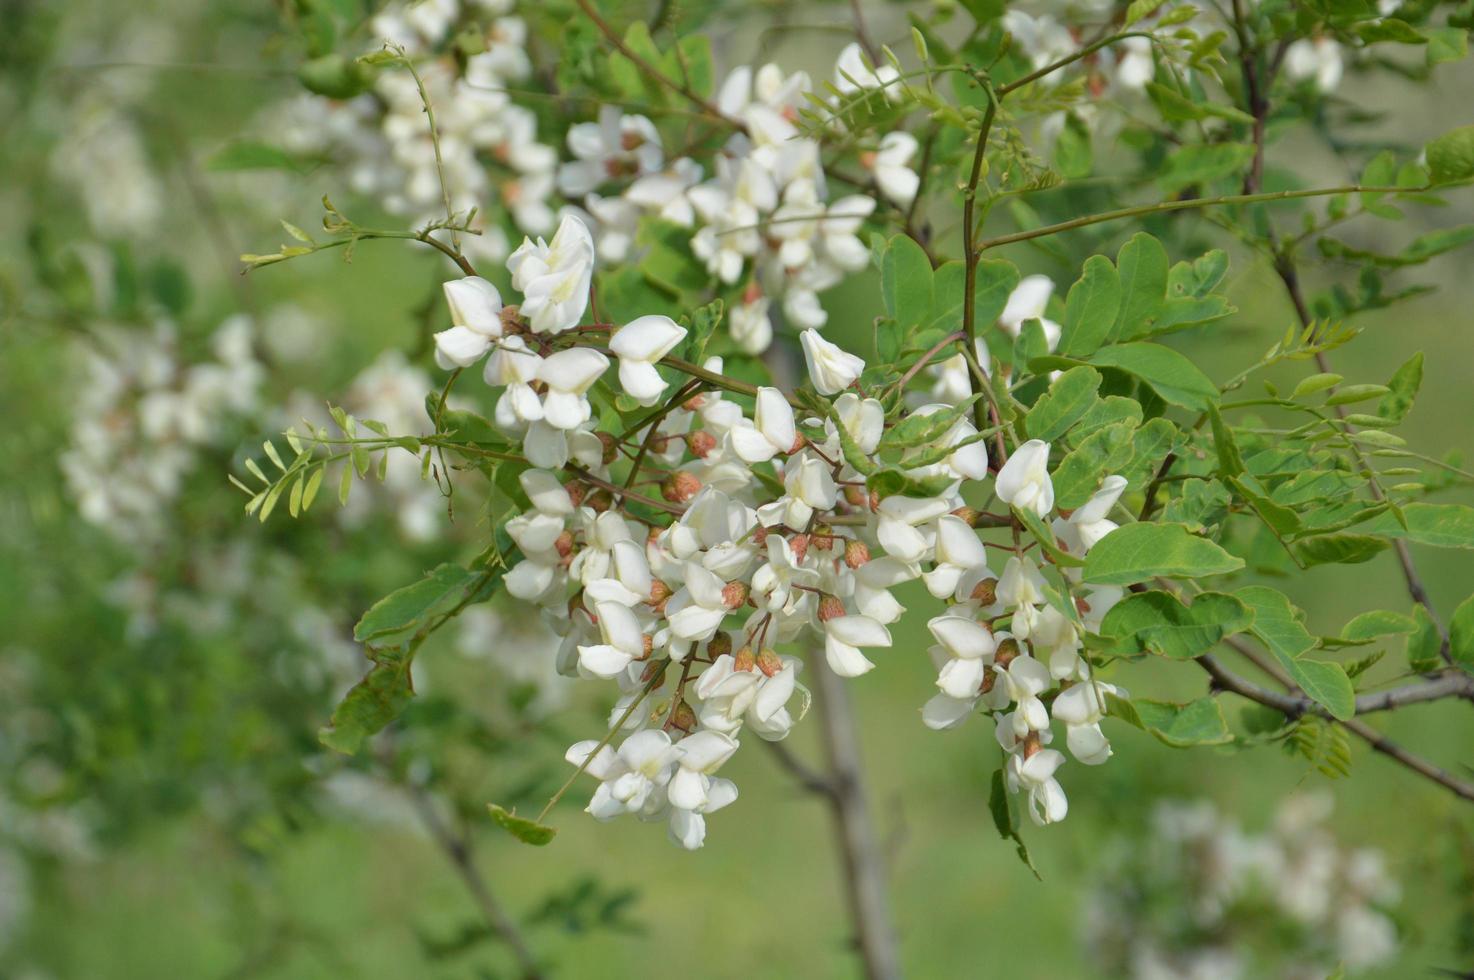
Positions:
(576, 492)
(719, 645)
(985, 592)
(1032, 745)
(734, 594)
(682, 718)
(856, 553)
(700, 443)
(856, 496)
(760, 536)
(511, 317)
(799, 545)
(822, 538)
(600, 501)
(799, 442)
(1006, 652)
(649, 644)
(659, 592)
(768, 662)
(743, 659)
(830, 607)
(680, 487)
(652, 667)
(564, 544)
(611, 446)
(968, 515)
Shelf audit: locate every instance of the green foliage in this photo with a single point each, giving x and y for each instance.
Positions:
(1004, 808)
(1278, 625)
(1138, 552)
(527, 831)
(1160, 623)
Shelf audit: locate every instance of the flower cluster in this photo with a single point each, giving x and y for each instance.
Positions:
(144, 414)
(765, 531)
(1198, 897)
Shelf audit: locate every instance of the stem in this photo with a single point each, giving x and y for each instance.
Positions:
(1197, 202)
(970, 250)
(1065, 62)
(457, 850)
(434, 137)
(710, 108)
(864, 865)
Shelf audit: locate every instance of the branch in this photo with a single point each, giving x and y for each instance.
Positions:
(1065, 62)
(864, 865)
(1292, 706)
(457, 850)
(685, 91)
(1192, 203)
(970, 250)
(807, 777)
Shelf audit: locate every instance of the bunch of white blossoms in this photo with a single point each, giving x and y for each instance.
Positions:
(1196, 896)
(764, 532)
(764, 213)
(143, 413)
(489, 152)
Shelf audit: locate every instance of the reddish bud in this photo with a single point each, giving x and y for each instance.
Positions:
(830, 607)
(649, 644)
(511, 317)
(652, 667)
(760, 536)
(799, 545)
(1032, 745)
(968, 516)
(856, 553)
(856, 497)
(700, 443)
(743, 659)
(600, 501)
(576, 492)
(734, 594)
(752, 293)
(564, 544)
(719, 645)
(683, 718)
(985, 592)
(768, 662)
(680, 487)
(799, 442)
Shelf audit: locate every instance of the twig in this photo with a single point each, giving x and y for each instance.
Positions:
(457, 850)
(969, 248)
(1186, 205)
(864, 868)
(862, 33)
(807, 777)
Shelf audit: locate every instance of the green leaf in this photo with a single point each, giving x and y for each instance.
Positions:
(527, 831)
(408, 608)
(1078, 475)
(1451, 156)
(1351, 394)
(1137, 552)
(1461, 633)
(1402, 388)
(1315, 383)
(1167, 372)
(335, 76)
(1068, 399)
(919, 430)
(1374, 625)
(906, 282)
(1278, 626)
(1141, 266)
(1202, 163)
(1446, 44)
(1140, 9)
(1091, 308)
(1158, 623)
(1001, 806)
(1425, 643)
(1439, 525)
(1230, 460)
(1182, 726)
(249, 155)
(1339, 549)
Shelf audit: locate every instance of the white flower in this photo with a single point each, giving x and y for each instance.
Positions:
(831, 369)
(615, 146)
(696, 611)
(1089, 523)
(569, 374)
(513, 365)
(843, 637)
(628, 778)
(1035, 775)
(1021, 588)
(1028, 302)
(890, 165)
(475, 316)
(639, 344)
(554, 278)
(1315, 58)
(970, 647)
(1024, 482)
(701, 755)
(624, 642)
(1025, 679)
(851, 74)
(752, 329)
(958, 550)
(898, 525)
(862, 418)
(771, 431)
(1081, 707)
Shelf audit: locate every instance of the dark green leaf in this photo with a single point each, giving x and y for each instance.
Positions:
(1167, 372)
(1091, 308)
(1069, 397)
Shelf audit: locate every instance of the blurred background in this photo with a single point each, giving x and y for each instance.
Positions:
(165, 806)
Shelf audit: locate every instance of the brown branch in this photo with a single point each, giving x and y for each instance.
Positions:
(806, 776)
(864, 864)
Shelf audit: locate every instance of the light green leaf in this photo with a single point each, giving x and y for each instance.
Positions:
(1339, 549)
(1157, 622)
(1461, 633)
(906, 282)
(1202, 163)
(1142, 266)
(1167, 372)
(1451, 156)
(1137, 552)
(1181, 726)
(1425, 643)
(1371, 626)
(527, 831)
(1000, 804)
(1068, 399)
(1439, 525)
(1091, 308)
(1402, 389)
(1102, 452)
(1278, 626)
